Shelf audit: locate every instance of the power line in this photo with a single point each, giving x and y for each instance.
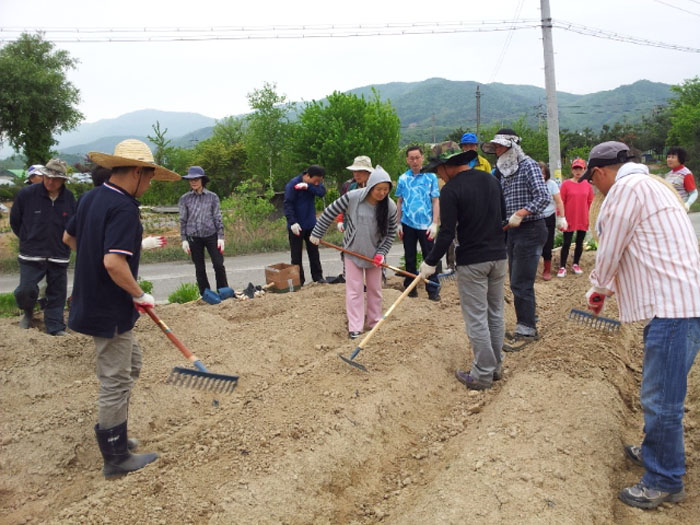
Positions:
(676, 7)
(506, 44)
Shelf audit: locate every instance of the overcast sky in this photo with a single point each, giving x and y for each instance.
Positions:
(214, 77)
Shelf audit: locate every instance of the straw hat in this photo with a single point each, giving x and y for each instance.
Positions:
(132, 152)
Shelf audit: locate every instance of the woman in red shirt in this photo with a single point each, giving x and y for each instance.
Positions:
(577, 198)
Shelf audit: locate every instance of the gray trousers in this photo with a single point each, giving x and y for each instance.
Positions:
(481, 297)
(119, 363)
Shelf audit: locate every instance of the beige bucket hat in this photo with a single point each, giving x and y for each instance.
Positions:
(132, 152)
(361, 163)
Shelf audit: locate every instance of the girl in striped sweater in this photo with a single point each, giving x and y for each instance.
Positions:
(370, 227)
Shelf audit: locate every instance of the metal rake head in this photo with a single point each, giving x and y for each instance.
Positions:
(594, 321)
(202, 380)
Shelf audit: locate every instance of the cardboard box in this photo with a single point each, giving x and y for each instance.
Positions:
(284, 277)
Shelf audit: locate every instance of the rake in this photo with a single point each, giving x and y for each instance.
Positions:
(201, 378)
(447, 276)
(594, 321)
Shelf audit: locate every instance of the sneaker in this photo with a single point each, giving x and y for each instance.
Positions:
(561, 272)
(498, 373)
(518, 342)
(60, 333)
(354, 335)
(643, 497)
(470, 382)
(434, 296)
(634, 454)
(322, 281)
(577, 269)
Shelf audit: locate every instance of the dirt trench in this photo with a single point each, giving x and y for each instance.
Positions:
(307, 439)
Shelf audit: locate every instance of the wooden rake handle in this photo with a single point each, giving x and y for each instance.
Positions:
(189, 355)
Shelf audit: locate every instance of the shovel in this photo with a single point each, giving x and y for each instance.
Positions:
(441, 277)
(351, 360)
(201, 378)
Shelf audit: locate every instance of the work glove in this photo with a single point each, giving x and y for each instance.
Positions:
(562, 224)
(378, 260)
(296, 229)
(301, 186)
(426, 270)
(341, 227)
(595, 297)
(314, 240)
(515, 220)
(687, 206)
(186, 247)
(151, 242)
(145, 300)
(432, 231)
(399, 231)
(220, 246)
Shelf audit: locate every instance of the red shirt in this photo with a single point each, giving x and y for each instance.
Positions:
(577, 198)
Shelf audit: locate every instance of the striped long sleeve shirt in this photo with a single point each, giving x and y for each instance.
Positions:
(200, 215)
(648, 251)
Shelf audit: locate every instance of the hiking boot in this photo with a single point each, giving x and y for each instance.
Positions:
(434, 296)
(561, 272)
(470, 382)
(413, 293)
(634, 454)
(354, 335)
(26, 321)
(59, 333)
(577, 269)
(498, 373)
(114, 447)
(518, 342)
(643, 497)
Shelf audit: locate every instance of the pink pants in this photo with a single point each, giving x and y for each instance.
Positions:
(354, 295)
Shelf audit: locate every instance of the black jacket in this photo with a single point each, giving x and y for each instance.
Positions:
(39, 223)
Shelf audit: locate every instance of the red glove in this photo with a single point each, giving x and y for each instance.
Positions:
(596, 300)
(141, 303)
(378, 260)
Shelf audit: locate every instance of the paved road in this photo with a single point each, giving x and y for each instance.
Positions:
(166, 277)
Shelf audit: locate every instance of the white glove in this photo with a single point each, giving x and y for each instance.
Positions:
(146, 300)
(426, 270)
(220, 246)
(186, 247)
(314, 240)
(515, 220)
(562, 224)
(432, 231)
(301, 186)
(151, 242)
(399, 231)
(341, 227)
(296, 229)
(687, 206)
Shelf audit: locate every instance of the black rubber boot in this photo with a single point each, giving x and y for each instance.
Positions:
(117, 458)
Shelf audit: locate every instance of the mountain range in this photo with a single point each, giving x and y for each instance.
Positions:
(428, 110)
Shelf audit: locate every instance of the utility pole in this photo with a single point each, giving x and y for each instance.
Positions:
(550, 85)
(478, 110)
(433, 128)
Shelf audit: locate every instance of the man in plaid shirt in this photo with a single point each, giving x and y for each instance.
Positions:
(526, 197)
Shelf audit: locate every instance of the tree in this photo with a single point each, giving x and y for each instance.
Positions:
(266, 135)
(162, 144)
(685, 121)
(332, 133)
(36, 99)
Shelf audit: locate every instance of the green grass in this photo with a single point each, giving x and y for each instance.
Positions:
(185, 293)
(8, 306)
(146, 286)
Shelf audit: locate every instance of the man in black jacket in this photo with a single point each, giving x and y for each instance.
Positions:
(471, 202)
(38, 217)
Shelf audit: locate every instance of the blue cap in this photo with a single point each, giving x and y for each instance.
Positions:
(195, 172)
(469, 138)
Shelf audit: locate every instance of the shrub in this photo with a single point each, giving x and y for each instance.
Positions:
(146, 286)
(185, 293)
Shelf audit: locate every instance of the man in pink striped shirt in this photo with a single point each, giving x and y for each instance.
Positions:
(648, 255)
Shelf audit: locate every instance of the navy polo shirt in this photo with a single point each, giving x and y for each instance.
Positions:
(107, 221)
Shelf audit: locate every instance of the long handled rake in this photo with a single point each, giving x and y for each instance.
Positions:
(441, 277)
(351, 360)
(594, 321)
(201, 378)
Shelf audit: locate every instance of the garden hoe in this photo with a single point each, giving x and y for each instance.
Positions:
(201, 378)
(351, 360)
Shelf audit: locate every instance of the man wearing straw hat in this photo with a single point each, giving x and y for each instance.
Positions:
(648, 256)
(38, 217)
(106, 234)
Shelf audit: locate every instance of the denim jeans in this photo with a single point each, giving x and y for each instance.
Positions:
(524, 250)
(197, 246)
(26, 294)
(670, 347)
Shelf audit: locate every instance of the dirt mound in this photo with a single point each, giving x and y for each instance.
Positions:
(306, 438)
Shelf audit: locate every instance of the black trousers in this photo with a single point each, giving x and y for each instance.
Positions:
(566, 244)
(411, 236)
(26, 294)
(551, 223)
(197, 246)
(296, 243)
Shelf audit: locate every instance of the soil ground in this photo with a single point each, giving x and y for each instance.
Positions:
(306, 438)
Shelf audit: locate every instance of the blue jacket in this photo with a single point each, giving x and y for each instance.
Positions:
(39, 223)
(299, 205)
